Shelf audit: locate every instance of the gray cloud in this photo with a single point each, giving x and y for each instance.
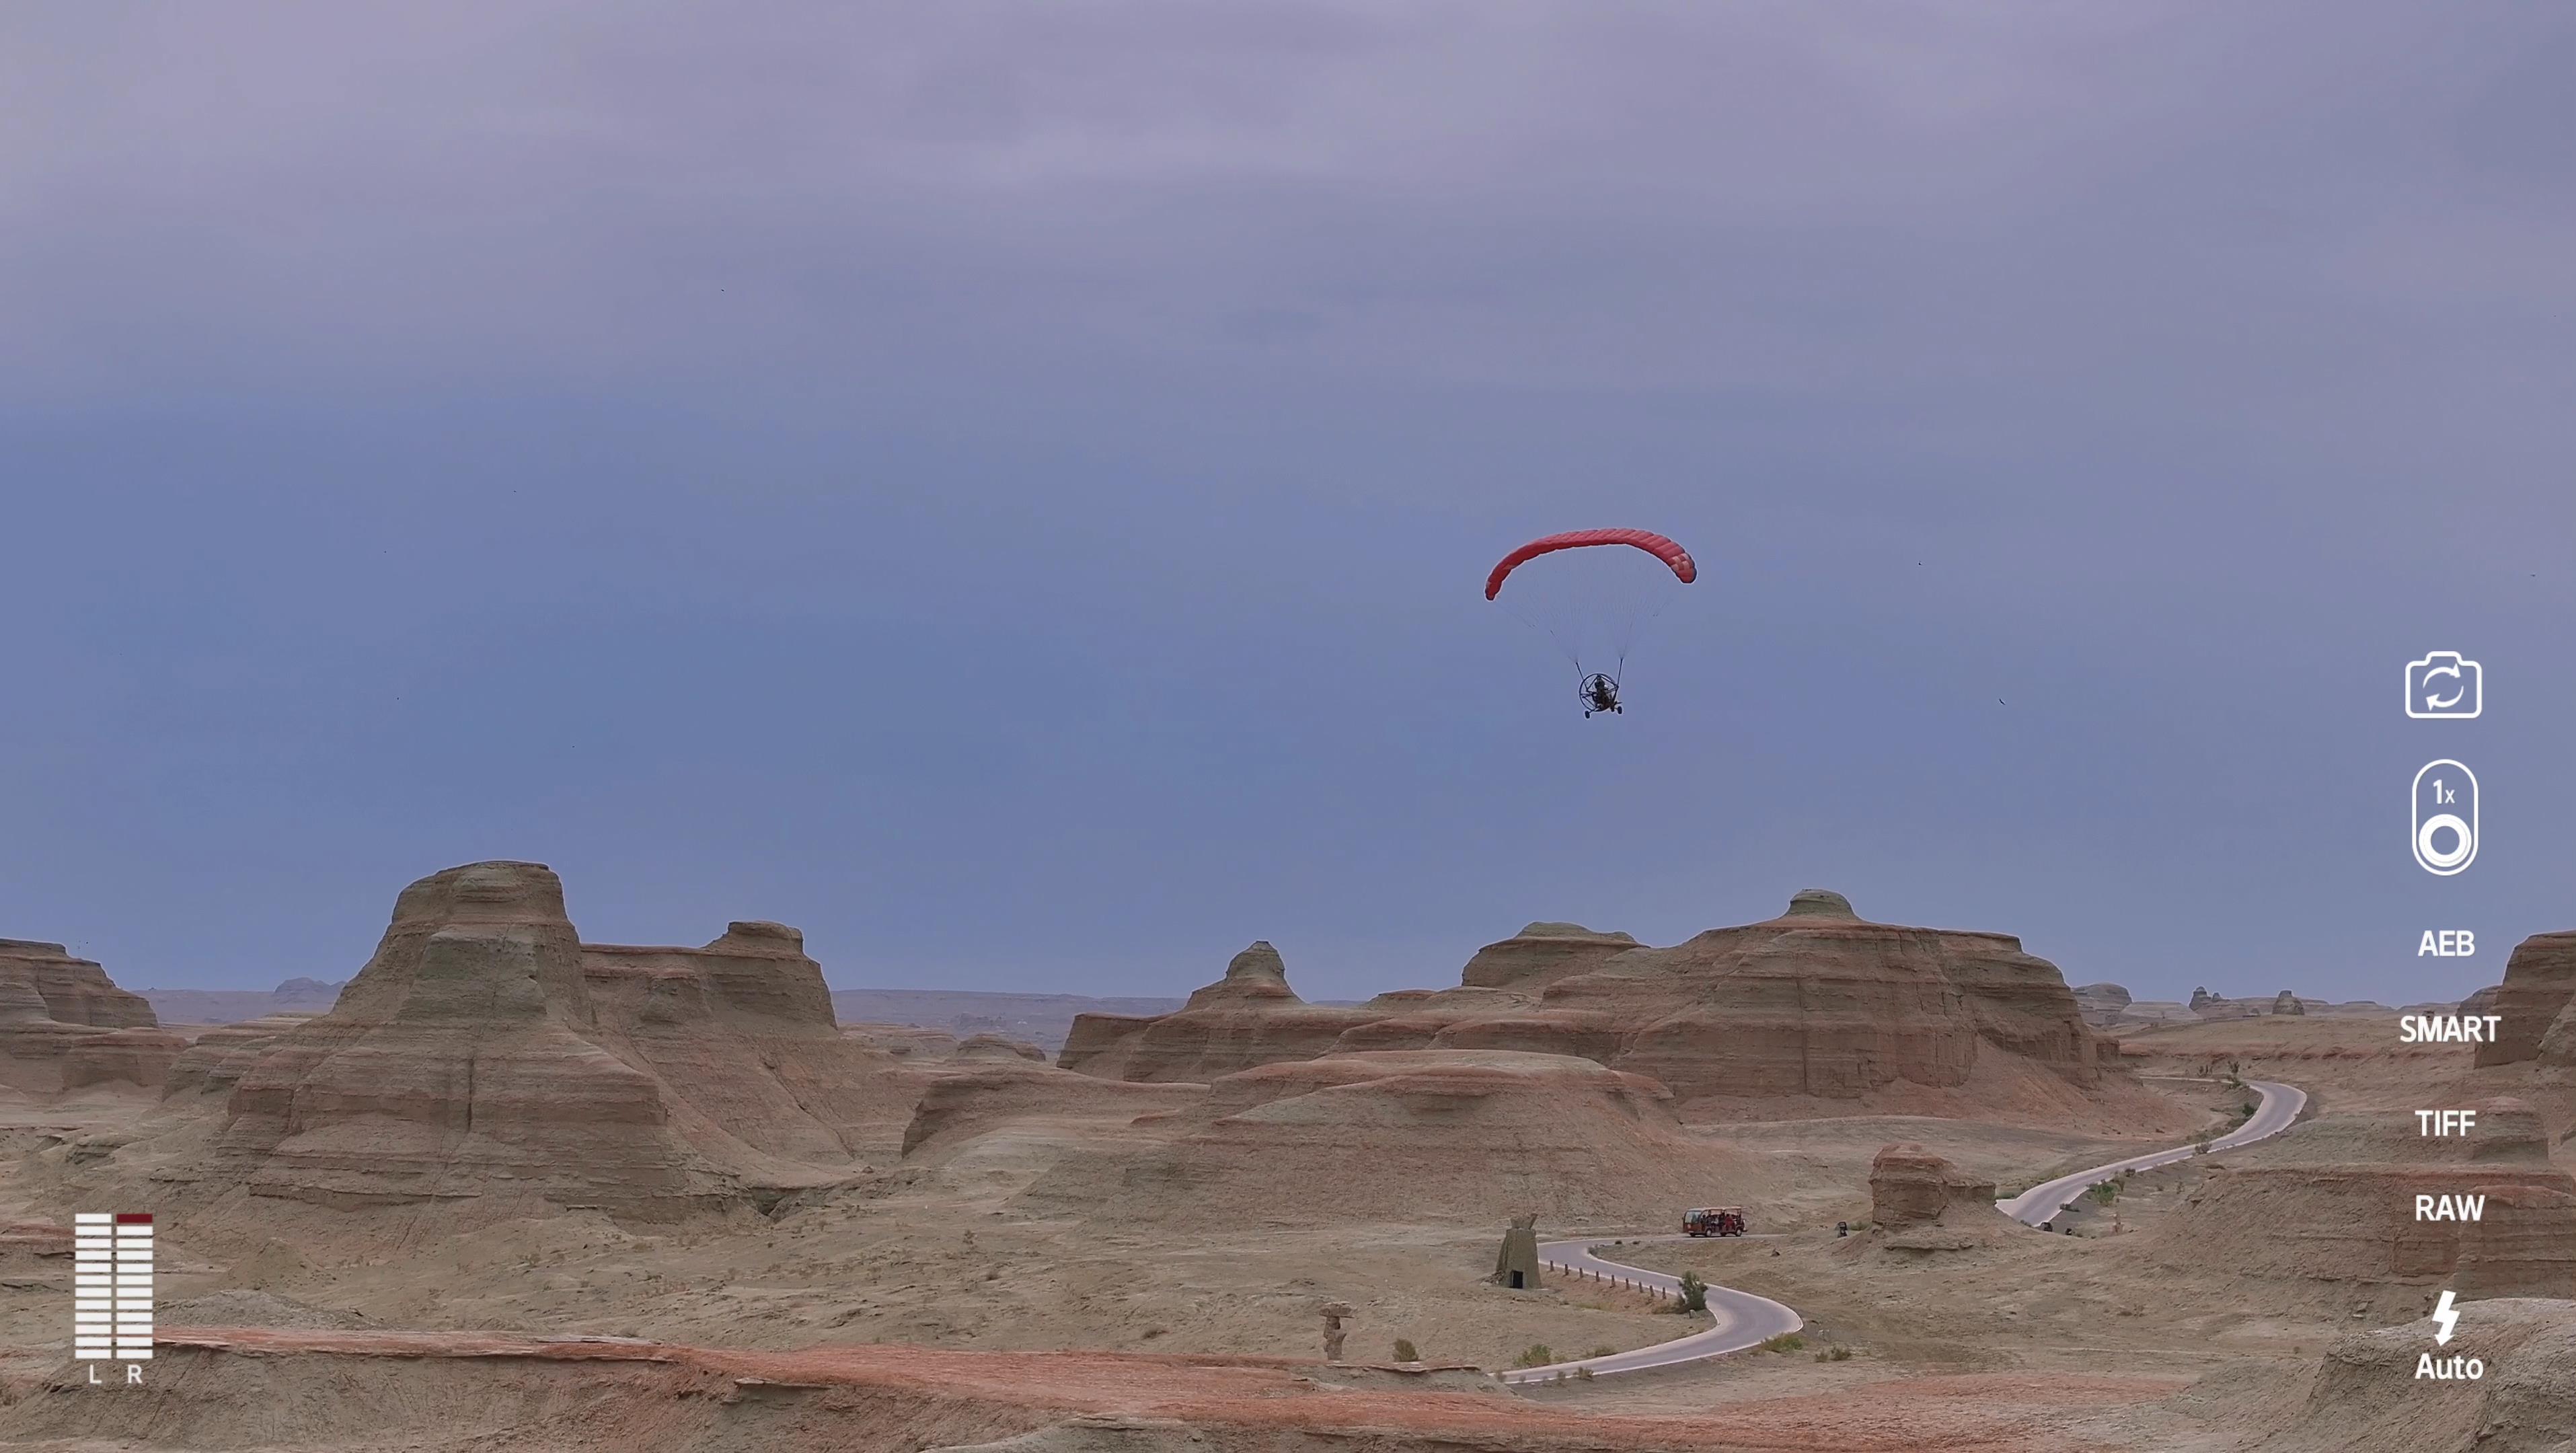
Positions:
(563, 430)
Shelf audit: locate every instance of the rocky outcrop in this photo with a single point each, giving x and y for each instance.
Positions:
(1818, 1002)
(1912, 1186)
(1250, 1017)
(2509, 1132)
(483, 1051)
(987, 1095)
(2100, 1004)
(741, 1034)
(2481, 1002)
(1541, 954)
(42, 981)
(2366, 1395)
(64, 1025)
(2286, 1002)
(2539, 979)
(141, 1058)
(2355, 1224)
(219, 1057)
(2523, 1244)
(997, 1047)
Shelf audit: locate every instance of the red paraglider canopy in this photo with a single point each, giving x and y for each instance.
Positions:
(1646, 540)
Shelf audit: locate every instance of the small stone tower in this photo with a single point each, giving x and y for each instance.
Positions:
(1517, 1266)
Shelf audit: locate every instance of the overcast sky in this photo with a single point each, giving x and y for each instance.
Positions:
(1006, 488)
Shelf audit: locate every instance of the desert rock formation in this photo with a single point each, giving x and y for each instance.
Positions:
(44, 981)
(1250, 1017)
(483, 1050)
(2355, 1222)
(1818, 1003)
(2539, 980)
(64, 1025)
(1911, 1186)
(2366, 1397)
(1541, 954)
(218, 1057)
(2101, 1004)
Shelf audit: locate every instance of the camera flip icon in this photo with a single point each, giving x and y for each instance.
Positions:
(2443, 685)
(2446, 817)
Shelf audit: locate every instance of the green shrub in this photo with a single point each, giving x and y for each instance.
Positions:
(1785, 1342)
(1694, 1293)
(1602, 1351)
(1534, 1355)
(1404, 1351)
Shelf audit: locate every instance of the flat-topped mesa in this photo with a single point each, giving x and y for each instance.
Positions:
(482, 943)
(1541, 954)
(65, 1025)
(1250, 1017)
(44, 981)
(756, 970)
(1818, 1002)
(742, 1034)
(1821, 1002)
(457, 1062)
(2539, 982)
(484, 1050)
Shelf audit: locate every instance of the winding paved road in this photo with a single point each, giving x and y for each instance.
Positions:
(2281, 1104)
(1745, 1320)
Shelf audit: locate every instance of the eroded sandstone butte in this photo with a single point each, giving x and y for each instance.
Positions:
(483, 1051)
(1910, 1185)
(64, 1025)
(1817, 1003)
(1250, 1017)
(2539, 982)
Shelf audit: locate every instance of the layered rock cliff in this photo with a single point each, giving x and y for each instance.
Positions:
(1249, 1017)
(483, 1051)
(64, 1025)
(2539, 981)
(1817, 1003)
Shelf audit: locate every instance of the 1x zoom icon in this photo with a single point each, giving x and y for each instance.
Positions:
(2446, 817)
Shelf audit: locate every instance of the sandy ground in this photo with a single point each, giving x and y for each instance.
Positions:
(2019, 1340)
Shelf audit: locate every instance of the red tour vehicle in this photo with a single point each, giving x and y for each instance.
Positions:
(1713, 1221)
